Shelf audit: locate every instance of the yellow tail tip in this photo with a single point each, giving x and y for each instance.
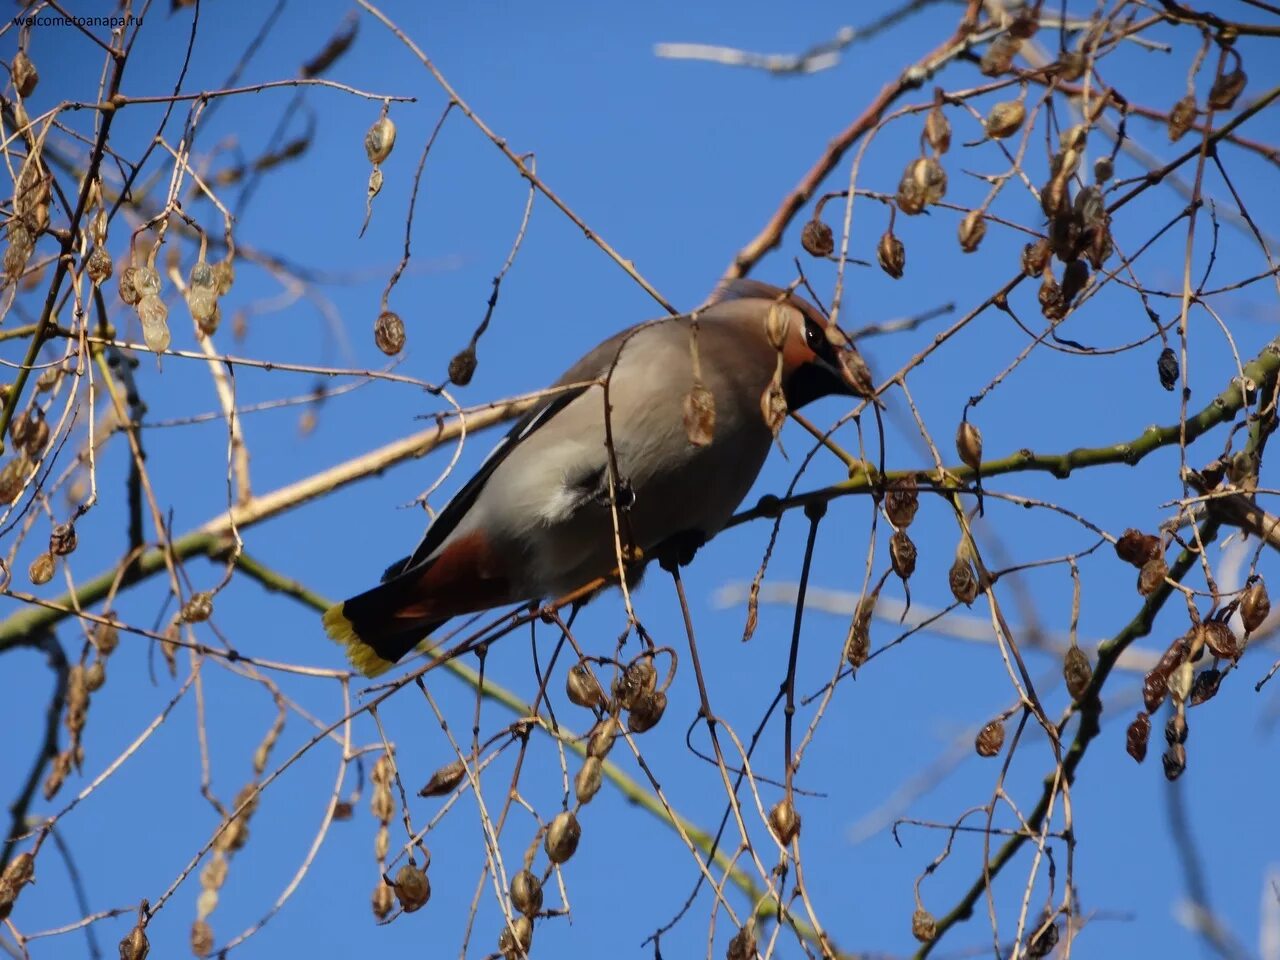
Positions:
(361, 656)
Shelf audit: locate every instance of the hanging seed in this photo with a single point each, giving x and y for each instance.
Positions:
(155, 327)
(514, 941)
(19, 872)
(1075, 277)
(743, 944)
(444, 780)
(147, 281)
(98, 266)
(901, 501)
(463, 366)
(412, 888)
(1077, 672)
(26, 76)
(1043, 942)
(931, 178)
(1155, 687)
(41, 570)
(817, 239)
(602, 736)
(95, 676)
(135, 945)
(647, 711)
(891, 254)
(1205, 686)
(127, 286)
(1005, 119)
(923, 927)
(998, 57)
(388, 333)
(784, 821)
(857, 646)
(37, 437)
(199, 608)
(1035, 257)
(1175, 761)
(383, 900)
(972, 229)
(1223, 93)
(969, 445)
(562, 837)
(1136, 737)
(526, 893)
(1255, 606)
(699, 415)
(11, 477)
(224, 275)
(637, 679)
(587, 783)
(937, 129)
(20, 427)
(902, 554)
(1175, 729)
(1053, 305)
(1090, 207)
(380, 139)
(1072, 66)
(773, 406)
(1137, 548)
(963, 581)
(1152, 575)
(990, 738)
(582, 687)
(1167, 367)
(910, 197)
(105, 639)
(1181, 117)
(1103, 169)
(62, 539)
(201, 938)
(202, 277)
(1222, 643)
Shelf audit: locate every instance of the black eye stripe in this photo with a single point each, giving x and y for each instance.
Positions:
(816, 339)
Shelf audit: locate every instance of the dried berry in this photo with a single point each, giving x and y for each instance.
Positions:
(901, 501)
(700, 415)
(963, 581)
(817, 239)
(155, 322)
(998, 57)
(647, 711)
(562, 837)
(62, 539)
(743, 944)
(1225, 90)
(1053, 305)
(637, 679)
(199, 608)
(380, 139)
(1205, 686)
(784, 821)
(937, 129)
(969, 445)
(224, 275)
(990, 738)
(463, 366)
(1255, 606)
(444, 780)
(1167, 367)
(923, 927)
(1136, 737)
(41, 570)
(602, 736)
(201, 938)
(1222, 643)
(1005, 119)
(587, 783)
(135, 945)
(526, 893)
(1155, 687)
(972, 229)
(412, 887)
(24, 73)
(383, 901)
(515, 940)
(98, 266)
(582, 687)
(891, 254)
(1152, 575)
(1137, 548)
(1072, 66)
(1035, 257)
(1077, 672)
(95, 676)
(1175, 729)
(388, 333)
(1175, 761)
(1043, 942)
(128, 286)
(1181, 117)
(902, 554)
(1103, 169)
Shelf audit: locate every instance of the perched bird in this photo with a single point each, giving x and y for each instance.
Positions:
(537, 520)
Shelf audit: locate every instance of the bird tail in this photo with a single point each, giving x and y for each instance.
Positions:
(378, 627)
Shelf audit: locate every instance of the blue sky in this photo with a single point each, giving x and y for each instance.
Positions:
(677, 165)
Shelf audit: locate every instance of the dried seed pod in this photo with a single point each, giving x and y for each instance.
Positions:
(380, 139)
(972, 229)
(1072, 66)
(891, 254)
(1223, 93)
(62, 539)
(817, 239)
(1103, 169)
(463, 366)
(784, 821)
(526, 893)
(1137, 548)
(857, 646)
(199, 608)
(382, 901)
(1043, 942)
(20, 427)
(135, 945)
(201, 938)
(1136, 737)
(743, 944)
(1053, 304)
(1152, 575)
(95, 676)
(105, 639)
(202, 298)
(963, 581)
(923, 927)
(127, 286)
(901, 501)
(20, 871)
(147, 281)
(910, 197)
(647, 711)
(383, 808)
(24, 73)
(1167, 368)
(1175, 761)
(587, 783)
(37, 437)
(902, 554)
(602, 736)
(1155, 687)
(224, 275)
(969, 445)
(1205, 686)
(98, 266)
(1077, 672)
(1035, 258)
(1005, 119)
(773, 406)
(41, 570)
(930, 177)
(1222, 643)
(998, 57)
(699, 415)
(11, 477)
(990, 739)
(637, 679)
(155, 322)
(515, 940)
(1181, 117)
(582, 687)
(412, 887)
(444, 780)
(1175, 728)
(937, 129)
(388, 333)
(1090, 208)
(562, 837)
(1255, 605)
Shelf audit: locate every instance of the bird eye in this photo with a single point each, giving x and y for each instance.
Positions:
(814, 336)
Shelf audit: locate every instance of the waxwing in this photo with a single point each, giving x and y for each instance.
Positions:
(537, 519)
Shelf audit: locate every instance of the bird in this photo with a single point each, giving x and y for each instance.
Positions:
(537, 518)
